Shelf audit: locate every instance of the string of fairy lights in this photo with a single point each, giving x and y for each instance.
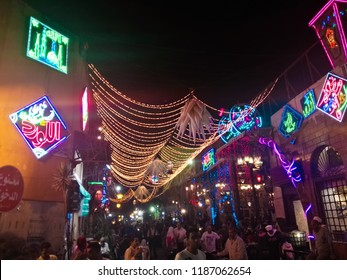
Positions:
(148, 147)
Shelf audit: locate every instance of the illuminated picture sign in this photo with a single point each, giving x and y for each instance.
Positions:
(290, 122)
(84, 109)
(47, 46)
(241, 118)
(332, 100)
(208, 160)
(225, 129)
(40, 126)
(330, 25)
(308, 103)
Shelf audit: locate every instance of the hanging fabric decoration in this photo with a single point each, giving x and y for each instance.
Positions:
(157, 168)
(141, 192)
(195, 118)
(144, 194)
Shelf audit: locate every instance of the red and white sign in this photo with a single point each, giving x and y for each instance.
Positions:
(11, 188)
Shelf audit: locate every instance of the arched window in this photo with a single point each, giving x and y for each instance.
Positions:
(326, 162)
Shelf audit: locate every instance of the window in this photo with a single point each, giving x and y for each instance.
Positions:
(333, 195)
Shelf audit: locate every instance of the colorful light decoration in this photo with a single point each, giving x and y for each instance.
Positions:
(244, 117)
(139, 132)
(333, 97)
(40, 126)
(155, 179)
(225, 129)
(208, 159)
(330, 31)
(221, 112)
(47, 46)
(241, 118)
(107, 180)
(292, 170)
(84, 209)
(308, 103)
(84, 109)
(290, 122)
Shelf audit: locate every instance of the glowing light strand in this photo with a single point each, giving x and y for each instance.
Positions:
(178, 150)
(288, 166)
(158, 110)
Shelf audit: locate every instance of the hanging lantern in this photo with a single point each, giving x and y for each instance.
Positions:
(169, 167)
(155, 179)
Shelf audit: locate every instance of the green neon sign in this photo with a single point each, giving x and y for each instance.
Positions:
(290, 122)
(47, 46)
(308, 103)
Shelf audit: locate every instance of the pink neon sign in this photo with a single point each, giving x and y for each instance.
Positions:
(40, 126)
(84, 109)
(333, 97)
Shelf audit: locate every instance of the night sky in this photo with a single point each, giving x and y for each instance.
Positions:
(156, 51)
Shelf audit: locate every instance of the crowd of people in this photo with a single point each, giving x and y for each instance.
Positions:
(159, 240)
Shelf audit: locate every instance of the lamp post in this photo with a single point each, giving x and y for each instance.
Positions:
(252, 163)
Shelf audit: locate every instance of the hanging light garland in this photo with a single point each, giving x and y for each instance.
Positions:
(145, 138)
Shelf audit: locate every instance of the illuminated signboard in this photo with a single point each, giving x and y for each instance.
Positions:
(84, 109)
(308, 103)
(241, 118)
(332, 100)
(208, 160)
(47, 46)
(225, 129)
(330, 25)
(290, 122)
(40, 126)
(11, 188)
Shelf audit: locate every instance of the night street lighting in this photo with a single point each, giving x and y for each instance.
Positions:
(252, 163)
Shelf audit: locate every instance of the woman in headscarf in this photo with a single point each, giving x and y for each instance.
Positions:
(80, 249)
(145, 249)
(170, 243)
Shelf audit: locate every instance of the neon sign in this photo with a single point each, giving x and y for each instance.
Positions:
(225, 129)
(308, 103)
(294, 173)
(290, 122)
(241, 118)
(208, 160)
(332, 100)
(47, 46)
(329, 27)
(330, 36)
(84, 109)
(40, 126)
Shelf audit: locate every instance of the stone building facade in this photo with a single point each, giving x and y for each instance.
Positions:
(320, 147)
(39, 214)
